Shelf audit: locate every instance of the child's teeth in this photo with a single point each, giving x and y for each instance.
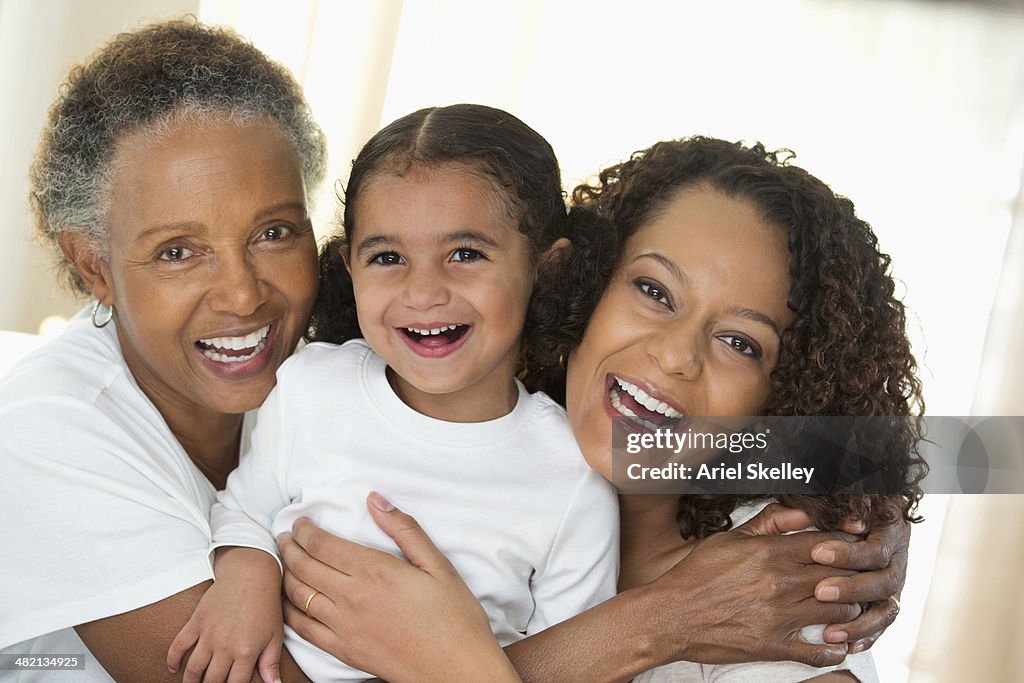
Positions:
(431, 332)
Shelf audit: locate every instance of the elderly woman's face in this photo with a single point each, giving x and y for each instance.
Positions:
(212, 263)
(689, 325)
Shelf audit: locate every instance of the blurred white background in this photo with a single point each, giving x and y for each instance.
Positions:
(913, 108)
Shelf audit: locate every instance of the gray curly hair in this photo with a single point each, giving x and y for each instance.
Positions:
(142, 81)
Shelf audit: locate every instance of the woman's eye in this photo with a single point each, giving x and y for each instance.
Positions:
(742, 345)
(655, 292)
(275, 232)
(175, 253)
(387, 258)
(466, 255)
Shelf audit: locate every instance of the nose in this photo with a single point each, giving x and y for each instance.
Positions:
(677, 350)
(426, 286)
(238, 288)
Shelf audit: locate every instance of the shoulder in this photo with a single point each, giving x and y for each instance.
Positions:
(80, 363)
(313, 360)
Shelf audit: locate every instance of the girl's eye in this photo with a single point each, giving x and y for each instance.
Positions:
(742, 345)
(654, 291)
(387, 258)
(175, 254)
(466, 255)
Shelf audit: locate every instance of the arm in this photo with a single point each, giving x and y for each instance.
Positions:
(237, 623)
(380, 606)
(434, 630)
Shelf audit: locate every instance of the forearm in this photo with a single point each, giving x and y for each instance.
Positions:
(613, 641)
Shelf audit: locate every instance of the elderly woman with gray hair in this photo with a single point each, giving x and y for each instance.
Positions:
(173, 183)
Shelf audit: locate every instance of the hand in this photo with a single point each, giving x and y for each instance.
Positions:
(744, 595)
(412, 621)
(881, 563)
(237, 624)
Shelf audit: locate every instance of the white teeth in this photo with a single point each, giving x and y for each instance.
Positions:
(222, 358)
(431, 332)
(648, 401)
(238, 343)
(626, 412)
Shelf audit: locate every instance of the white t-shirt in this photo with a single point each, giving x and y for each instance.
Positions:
(530, 527)
(860, 665)
(103, 511)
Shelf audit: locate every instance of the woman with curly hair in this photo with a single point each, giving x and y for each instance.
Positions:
(742, 286)
(730, 283)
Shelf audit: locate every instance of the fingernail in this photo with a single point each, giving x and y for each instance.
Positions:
(380, 502)
(828, 594)
(857, 647)
(282, 537)
(837, 637)
(824, 555)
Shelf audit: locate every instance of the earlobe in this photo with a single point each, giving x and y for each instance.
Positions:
(89, 264)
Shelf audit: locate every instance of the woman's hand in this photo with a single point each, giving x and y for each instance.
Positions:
(412, 621)
(744, 595)
(881, 563)
(237, 624)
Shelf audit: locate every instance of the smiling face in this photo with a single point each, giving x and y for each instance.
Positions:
(442, 278)
(690, 323)
(212, 264)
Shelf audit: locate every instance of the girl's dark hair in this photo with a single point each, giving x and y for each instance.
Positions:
(514, 157)
(847, 352)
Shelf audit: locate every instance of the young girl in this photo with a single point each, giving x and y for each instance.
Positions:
(449, 215)
(738, 285)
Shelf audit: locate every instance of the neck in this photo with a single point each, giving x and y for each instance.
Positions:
(651, 542)
(210, 439)
(478, 403)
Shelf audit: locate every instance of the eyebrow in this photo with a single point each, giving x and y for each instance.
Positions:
(755, 316)
(376, 241)
(667, 263)
(738, 311)
(194, 227)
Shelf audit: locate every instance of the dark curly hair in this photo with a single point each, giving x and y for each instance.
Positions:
(847, 352)
(508, 153)
(144, 80)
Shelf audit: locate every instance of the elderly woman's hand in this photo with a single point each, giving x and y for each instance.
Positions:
(379, 613)
(881, 563)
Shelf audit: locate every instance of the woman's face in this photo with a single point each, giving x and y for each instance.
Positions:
(689, 325)
(212, 263)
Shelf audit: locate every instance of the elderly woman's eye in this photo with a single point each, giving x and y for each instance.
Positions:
(276, 232)
(175, 253)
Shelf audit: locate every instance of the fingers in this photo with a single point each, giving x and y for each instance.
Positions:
(336, 553)
(860, 588)
(309, 628)
(407, 534)
(299, 593)
(862, 632)
(816, 655)
(269, 663)
(186, 638)
(196, 665)
(775, 519)
(886, 544)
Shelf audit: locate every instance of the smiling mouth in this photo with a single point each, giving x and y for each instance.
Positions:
(634, 403)
(235, 349)
(436, 336)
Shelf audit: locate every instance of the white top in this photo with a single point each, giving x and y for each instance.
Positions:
(860, 665)
(530, 527)
(104, 512)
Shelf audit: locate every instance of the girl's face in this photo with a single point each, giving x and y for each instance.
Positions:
(689, 325)
(442, 277)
